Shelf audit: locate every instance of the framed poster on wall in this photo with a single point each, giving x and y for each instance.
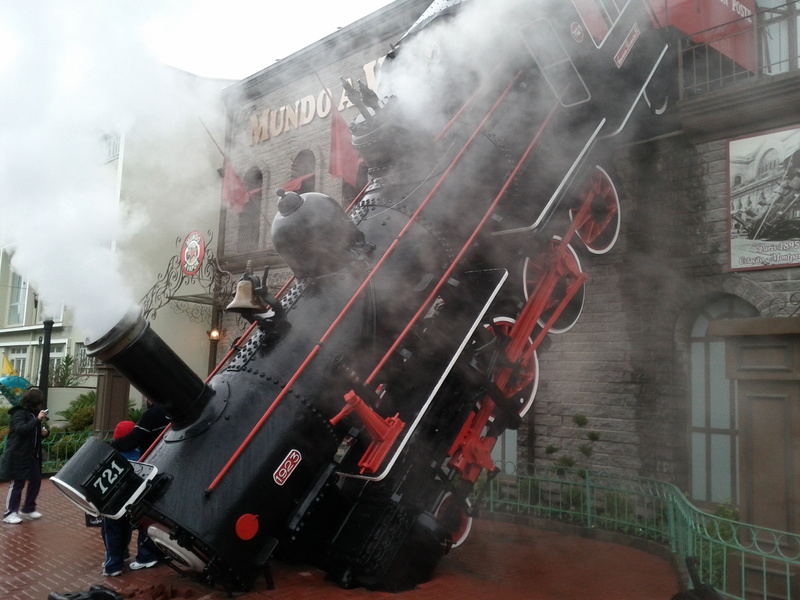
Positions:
(764, 200)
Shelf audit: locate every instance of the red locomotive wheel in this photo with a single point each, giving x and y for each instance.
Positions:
(532, 273)
(600, 229)
(526, 383)
(460, 520)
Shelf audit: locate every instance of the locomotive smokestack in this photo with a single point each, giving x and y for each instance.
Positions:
(152, 367)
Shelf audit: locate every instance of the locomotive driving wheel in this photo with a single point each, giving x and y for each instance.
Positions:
(455, 517)
(522, 384)
(534, 270)
(600, 226)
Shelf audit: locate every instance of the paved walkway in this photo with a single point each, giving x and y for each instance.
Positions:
(499, 561)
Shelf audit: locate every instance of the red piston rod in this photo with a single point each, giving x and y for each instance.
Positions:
(530, 314)
(238, 452)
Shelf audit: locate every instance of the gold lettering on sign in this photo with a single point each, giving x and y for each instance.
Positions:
(324, 104)
(259, 128)
(273, 122)
(276, 128)
(291, 115)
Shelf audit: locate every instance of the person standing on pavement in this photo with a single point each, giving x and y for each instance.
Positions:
(116, 533)
(147, 430)
(21, 463)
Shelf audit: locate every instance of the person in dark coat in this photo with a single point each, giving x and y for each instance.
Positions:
(21, 463)
(150, 426)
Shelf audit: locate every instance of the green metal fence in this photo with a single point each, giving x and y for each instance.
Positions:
(741, 561)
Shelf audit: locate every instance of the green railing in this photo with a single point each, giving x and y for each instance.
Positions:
(741, 561)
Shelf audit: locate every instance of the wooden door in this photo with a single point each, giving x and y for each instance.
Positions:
(770, 453)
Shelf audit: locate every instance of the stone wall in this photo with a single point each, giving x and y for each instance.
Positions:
(625, 364)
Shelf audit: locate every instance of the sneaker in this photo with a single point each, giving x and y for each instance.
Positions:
(12, 518)
(31, 515)
(135, 565)
(112, 574)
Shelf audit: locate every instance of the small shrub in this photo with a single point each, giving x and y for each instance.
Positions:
(79, 415)
(81, 419)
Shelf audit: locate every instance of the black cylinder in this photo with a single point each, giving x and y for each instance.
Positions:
(151, 366)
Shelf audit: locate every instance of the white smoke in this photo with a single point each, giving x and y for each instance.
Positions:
(72, 73)
(450, 56)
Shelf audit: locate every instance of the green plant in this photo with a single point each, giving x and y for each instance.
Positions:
(134, 414)
(719, 536)
(585, 449)
(79, 415)
(64, 375)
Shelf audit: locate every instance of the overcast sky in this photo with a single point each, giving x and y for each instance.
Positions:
(230, 39)
(74, 70)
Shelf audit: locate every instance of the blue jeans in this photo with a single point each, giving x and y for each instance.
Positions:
(116, 538)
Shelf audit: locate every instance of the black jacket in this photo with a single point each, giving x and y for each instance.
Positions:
(151, 424)
(23, 445)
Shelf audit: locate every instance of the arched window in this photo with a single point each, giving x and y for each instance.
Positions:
(251, 216)
(713, 426)
(303, 171)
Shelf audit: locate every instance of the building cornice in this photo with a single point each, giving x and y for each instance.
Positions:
(751, 106)
(327, 51)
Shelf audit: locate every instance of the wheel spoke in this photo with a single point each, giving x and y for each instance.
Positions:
(600, 227)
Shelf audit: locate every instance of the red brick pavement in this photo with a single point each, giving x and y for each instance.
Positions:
(499, 561)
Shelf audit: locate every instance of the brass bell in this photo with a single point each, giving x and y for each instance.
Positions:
(246, 300)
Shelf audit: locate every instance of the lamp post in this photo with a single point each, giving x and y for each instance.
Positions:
(214, 336)
(44, 373)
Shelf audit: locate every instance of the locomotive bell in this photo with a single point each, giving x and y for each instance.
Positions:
(313, 234)
(246, 300)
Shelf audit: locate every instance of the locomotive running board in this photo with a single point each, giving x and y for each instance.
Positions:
(489, 290)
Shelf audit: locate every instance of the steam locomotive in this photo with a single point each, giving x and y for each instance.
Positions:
(350, 427)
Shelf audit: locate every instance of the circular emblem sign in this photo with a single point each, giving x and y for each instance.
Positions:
(192, 253)
(577, 32)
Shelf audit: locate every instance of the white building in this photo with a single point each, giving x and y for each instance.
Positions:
(162, 173)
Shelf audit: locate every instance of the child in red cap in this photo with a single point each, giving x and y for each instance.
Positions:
(117, 532)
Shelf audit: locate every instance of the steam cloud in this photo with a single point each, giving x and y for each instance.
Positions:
(477, 40)
(71, 74)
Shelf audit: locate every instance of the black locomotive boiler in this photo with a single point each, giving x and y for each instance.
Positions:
(349, 430)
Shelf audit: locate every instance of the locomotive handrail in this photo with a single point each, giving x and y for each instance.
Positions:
(464, 107)
(357, 294)
(463, 250)
(559, 190)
